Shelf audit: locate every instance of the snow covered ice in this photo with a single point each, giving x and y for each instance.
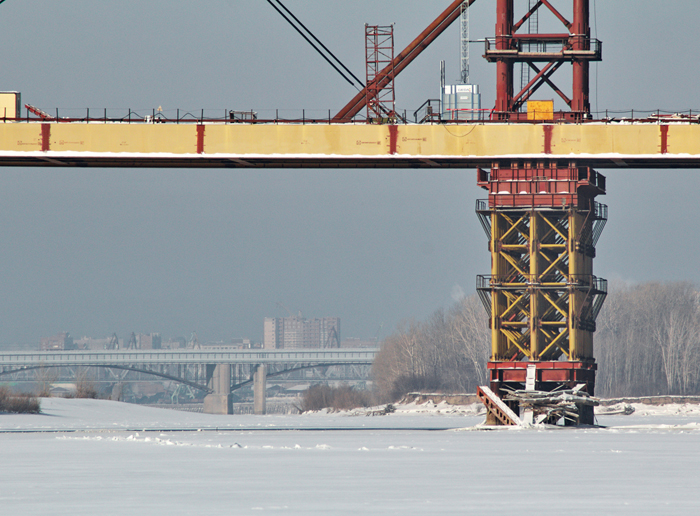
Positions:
(89, 457)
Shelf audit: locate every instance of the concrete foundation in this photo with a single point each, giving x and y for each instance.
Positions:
(218, 404)
(259, 389)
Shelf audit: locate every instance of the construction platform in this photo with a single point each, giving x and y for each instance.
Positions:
(639, 144)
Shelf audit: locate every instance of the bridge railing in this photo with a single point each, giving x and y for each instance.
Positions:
(315, 116)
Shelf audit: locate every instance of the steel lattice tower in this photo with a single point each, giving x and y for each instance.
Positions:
(379, 52)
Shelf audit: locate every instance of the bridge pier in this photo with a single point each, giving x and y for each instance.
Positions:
(259, 389)
(219, 380)
(542, 298)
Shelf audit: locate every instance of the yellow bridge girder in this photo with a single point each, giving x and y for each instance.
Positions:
(95, 143)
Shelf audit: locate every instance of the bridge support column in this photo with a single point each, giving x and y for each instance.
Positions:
(219, 380)
(259, 389)
(542, 298)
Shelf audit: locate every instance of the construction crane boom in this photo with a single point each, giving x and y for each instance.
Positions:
(452, 13)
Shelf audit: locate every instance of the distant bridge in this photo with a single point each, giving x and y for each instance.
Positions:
(215, 365)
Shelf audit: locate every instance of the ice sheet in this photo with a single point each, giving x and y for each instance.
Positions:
(327, 467)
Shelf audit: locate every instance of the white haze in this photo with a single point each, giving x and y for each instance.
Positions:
(176, 251)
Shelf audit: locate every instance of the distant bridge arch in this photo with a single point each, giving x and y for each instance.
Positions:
(166, 376)
(217, 371)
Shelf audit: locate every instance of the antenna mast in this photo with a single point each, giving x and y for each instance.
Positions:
(464, 23)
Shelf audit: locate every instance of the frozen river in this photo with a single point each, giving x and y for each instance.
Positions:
(87, 457)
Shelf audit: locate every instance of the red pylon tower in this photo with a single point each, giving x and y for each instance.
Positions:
(544, 54)
(379, 51)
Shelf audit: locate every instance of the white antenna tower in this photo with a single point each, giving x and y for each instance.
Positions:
(465, 42)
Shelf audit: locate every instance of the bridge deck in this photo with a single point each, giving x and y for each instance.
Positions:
(105, 358)
(220, 145)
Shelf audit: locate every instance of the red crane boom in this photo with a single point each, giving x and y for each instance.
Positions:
(405, 58)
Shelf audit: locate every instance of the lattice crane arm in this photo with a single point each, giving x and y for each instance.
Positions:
(430, 34)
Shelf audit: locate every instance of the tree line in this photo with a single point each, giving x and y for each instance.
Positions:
(648, 340)
(446, 352)
(647, 343)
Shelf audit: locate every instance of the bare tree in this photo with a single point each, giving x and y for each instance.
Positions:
(85, 386)
(45, 377)
(447, 352)
(648, 340)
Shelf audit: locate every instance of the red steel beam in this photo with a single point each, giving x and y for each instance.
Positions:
(581, 32)
(525, 18)
(405, 58)
(557, 14)
(543, 76)
(504, 67)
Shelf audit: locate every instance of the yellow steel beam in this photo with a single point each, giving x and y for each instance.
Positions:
(556, 341)
(514, 264)
(519, 248)
(514, 324)
(553, 264)
(516, 303)
(362, 145)
(555, 228)
(555, 305)
(514, 225)
(513, 338)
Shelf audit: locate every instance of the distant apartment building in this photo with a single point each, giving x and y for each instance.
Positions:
(148, 341)
(301, 333)
(174, 343)
(61, 342)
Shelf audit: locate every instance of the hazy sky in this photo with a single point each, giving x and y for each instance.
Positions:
(101, 251)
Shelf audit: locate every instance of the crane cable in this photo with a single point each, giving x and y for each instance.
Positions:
(301, 33)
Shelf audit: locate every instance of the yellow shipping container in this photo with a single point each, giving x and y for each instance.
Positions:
(540, 110)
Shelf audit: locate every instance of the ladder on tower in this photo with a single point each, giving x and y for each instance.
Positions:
(532, 28)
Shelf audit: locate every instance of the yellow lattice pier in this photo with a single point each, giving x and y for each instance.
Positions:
(542, 297)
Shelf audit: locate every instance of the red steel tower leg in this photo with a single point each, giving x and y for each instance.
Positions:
(504, 40)
(581, 32)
